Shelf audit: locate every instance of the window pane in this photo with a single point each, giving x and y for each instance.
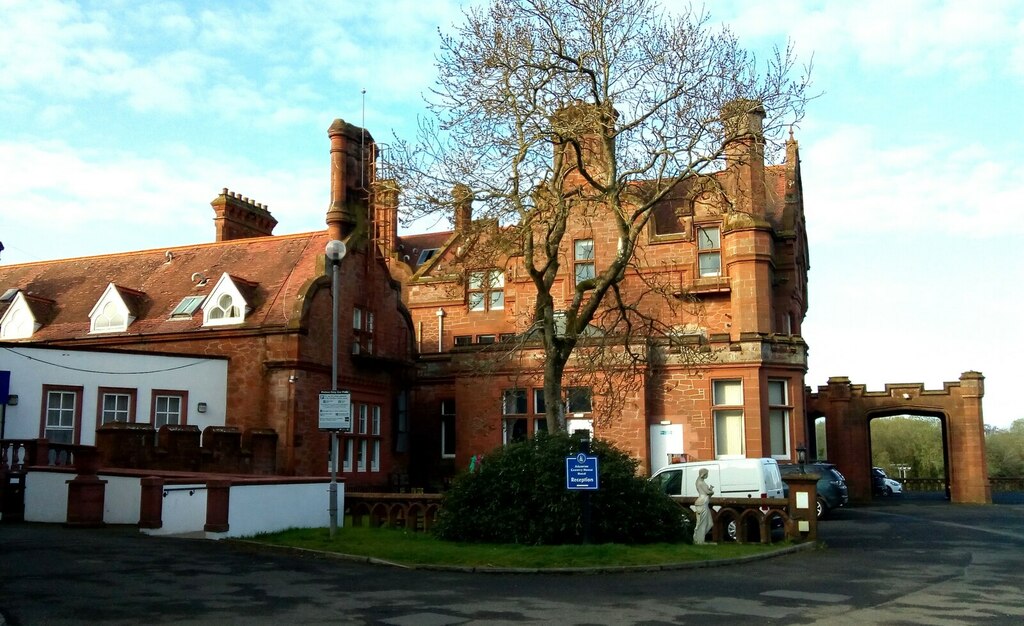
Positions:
(514, 401)
(729, 433)
(777, 393)
(779, 423)
(448, 435)
(538, 401)
(708, 238)
(497, 300)
(476, 280)
(375, 457)
(362, 419)
(710, 263)
(584, 249)
(496, 279)
(578, 399)
(375, 422)
(513, 430)
(540, 425)
(728, 393)
(584, 271)
(357, 319)
(476, 301)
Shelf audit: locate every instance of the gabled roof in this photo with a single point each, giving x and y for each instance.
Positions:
(270, 271)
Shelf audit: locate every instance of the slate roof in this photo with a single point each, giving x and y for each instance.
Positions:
(270, 272)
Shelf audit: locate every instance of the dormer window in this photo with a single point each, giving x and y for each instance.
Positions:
(111, 313)
(17, 322)
(226, 305)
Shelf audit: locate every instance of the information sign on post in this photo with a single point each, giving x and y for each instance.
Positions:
(581, 472)
(335, 410)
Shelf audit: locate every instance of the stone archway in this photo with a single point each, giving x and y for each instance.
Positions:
(848, 408)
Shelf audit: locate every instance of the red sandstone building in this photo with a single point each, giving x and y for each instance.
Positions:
(421, 330)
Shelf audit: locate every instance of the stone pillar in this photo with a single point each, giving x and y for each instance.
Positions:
(86, 494)
(803, 512)
(151, 507)
(218, 497)
(968, 475)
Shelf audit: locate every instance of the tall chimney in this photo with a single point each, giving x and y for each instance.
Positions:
(350, 176)
(238, 217)
(462, 199)
(587, 126)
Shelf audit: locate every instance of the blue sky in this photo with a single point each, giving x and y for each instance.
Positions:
(122, 120)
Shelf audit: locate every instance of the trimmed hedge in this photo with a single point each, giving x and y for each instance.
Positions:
(517, 494)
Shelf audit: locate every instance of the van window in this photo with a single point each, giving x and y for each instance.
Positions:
(671, 482)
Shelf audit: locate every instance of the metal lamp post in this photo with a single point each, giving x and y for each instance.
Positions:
(335, 253)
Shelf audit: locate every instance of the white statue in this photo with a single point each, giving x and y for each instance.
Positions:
(702, 507)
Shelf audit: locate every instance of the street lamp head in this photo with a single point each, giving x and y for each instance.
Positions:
(335, 251)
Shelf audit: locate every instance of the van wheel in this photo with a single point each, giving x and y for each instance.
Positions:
(821, 509)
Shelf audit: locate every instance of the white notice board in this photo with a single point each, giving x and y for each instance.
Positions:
(336, 410)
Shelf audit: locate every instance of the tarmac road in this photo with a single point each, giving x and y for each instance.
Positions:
(903, 561)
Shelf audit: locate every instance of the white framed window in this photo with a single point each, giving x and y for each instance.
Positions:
(779, 410)
(168, 408)
(375, 420)
(62, 414)
(727, 398)
(361, 459)
(116, 405)
(486, 290)
(375, 456)
(709, 251)
(225, 309)
(583, 260)
(447, 429)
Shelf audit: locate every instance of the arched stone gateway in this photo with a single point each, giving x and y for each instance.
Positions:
(849, 408)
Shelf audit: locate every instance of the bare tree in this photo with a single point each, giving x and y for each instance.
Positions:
(549, 111)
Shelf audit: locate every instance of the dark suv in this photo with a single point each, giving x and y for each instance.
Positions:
(832, 491)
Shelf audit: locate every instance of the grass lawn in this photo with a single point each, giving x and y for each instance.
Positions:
(412, 548)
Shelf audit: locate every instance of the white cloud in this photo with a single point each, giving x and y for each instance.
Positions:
(98, 203)
(910, 37)
(862, 183)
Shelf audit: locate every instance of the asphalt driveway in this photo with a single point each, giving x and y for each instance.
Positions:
(903, 561)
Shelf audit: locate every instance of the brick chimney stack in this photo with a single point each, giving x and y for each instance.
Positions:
(238, 217)
(351, 176)
(581, 132)
(462, 199)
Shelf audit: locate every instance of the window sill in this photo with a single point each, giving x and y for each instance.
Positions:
(711, 284)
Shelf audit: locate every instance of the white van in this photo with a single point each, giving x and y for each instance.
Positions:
(730, 478)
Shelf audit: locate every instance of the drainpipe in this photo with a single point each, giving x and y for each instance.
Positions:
(440, 329)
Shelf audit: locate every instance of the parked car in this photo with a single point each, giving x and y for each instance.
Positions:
(882, 485)
(832, 491)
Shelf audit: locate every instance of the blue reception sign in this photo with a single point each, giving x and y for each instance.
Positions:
(581, 472)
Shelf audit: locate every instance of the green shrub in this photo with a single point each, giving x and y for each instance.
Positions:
(518, 495)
